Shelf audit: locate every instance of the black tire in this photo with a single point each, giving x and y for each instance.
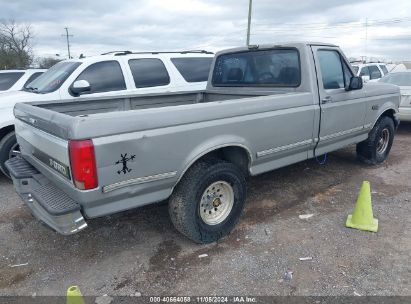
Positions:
(184, 203)
(371, 151)
(6, 145)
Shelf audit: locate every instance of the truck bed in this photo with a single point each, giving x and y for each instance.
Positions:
(105, 105)
(71, 119)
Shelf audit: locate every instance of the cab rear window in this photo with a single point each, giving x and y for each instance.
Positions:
(265, 68)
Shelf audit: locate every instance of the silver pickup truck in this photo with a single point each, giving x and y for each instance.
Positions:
(265, 107)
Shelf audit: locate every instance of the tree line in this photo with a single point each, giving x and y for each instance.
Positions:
(16, 47)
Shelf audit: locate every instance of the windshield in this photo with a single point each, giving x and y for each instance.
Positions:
(7, 80)
(399, 79)
(53, 78)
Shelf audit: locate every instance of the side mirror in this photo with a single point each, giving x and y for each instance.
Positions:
(80, 86)
(365, 78)
(356, 83)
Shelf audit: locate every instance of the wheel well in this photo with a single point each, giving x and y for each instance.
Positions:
(5, 131)
(236, 155)
(390, 113)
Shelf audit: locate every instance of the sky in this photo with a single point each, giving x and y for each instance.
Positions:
(379, 29)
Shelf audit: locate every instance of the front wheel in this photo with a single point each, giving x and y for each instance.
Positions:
(208, 201)
(9, 148)
(377, 146)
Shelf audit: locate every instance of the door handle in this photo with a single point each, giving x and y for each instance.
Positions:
(326, 99)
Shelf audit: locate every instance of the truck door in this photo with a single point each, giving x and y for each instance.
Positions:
(342, 112)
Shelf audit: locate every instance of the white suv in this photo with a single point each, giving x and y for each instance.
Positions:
(112, 74)
(370, 71)
(14, 80)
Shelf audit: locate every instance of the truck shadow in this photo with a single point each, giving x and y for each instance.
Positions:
(404, 128)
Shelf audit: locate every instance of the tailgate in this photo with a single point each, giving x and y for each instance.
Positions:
(39, 146)
(43, 150)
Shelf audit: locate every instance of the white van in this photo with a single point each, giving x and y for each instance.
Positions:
(370, 71)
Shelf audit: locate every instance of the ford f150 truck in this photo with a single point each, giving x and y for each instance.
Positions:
(265, 107)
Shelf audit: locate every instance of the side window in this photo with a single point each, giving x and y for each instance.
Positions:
(149, 72)
(347, 74)
(384, 69)
(32, 77)
(365, 71)
(331, 69)
(104, 76)
(193, 69)
(374, 72)
(7, 80)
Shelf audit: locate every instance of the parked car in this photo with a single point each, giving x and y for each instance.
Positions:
(403, 80)
(14, 80)
(112, 74)
(370, 71)
(264, 108)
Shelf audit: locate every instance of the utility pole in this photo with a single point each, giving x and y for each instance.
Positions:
(366, 38)
(250, 8)
(68, 41)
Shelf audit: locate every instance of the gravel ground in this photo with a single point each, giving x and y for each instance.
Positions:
(140, 252)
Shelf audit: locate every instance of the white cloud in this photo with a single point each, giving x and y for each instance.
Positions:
(104, 25)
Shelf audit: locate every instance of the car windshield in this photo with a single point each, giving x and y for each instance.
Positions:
(399, 79)
(53, 78)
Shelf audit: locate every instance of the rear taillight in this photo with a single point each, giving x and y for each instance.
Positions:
(83, 164)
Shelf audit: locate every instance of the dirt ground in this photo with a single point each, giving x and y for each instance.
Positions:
(140, 252)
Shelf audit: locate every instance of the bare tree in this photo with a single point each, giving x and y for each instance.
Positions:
(47, 62)
(15, 45)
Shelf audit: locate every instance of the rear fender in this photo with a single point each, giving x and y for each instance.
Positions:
(214, 144)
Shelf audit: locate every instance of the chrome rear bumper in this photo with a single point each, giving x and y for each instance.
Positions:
(46, 202)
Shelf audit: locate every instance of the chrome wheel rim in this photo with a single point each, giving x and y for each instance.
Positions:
(14, 151)
(383, 141)
(216, 203)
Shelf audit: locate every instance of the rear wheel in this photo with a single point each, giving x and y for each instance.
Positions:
(208, 201)
(376, 148)
(9, 148)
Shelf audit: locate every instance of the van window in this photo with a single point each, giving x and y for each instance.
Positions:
(149, 72)
(193, 69)
(105, 76)
(268, 68)
(374, 72)
(7, 80)
(365, 71)
(384, 69)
